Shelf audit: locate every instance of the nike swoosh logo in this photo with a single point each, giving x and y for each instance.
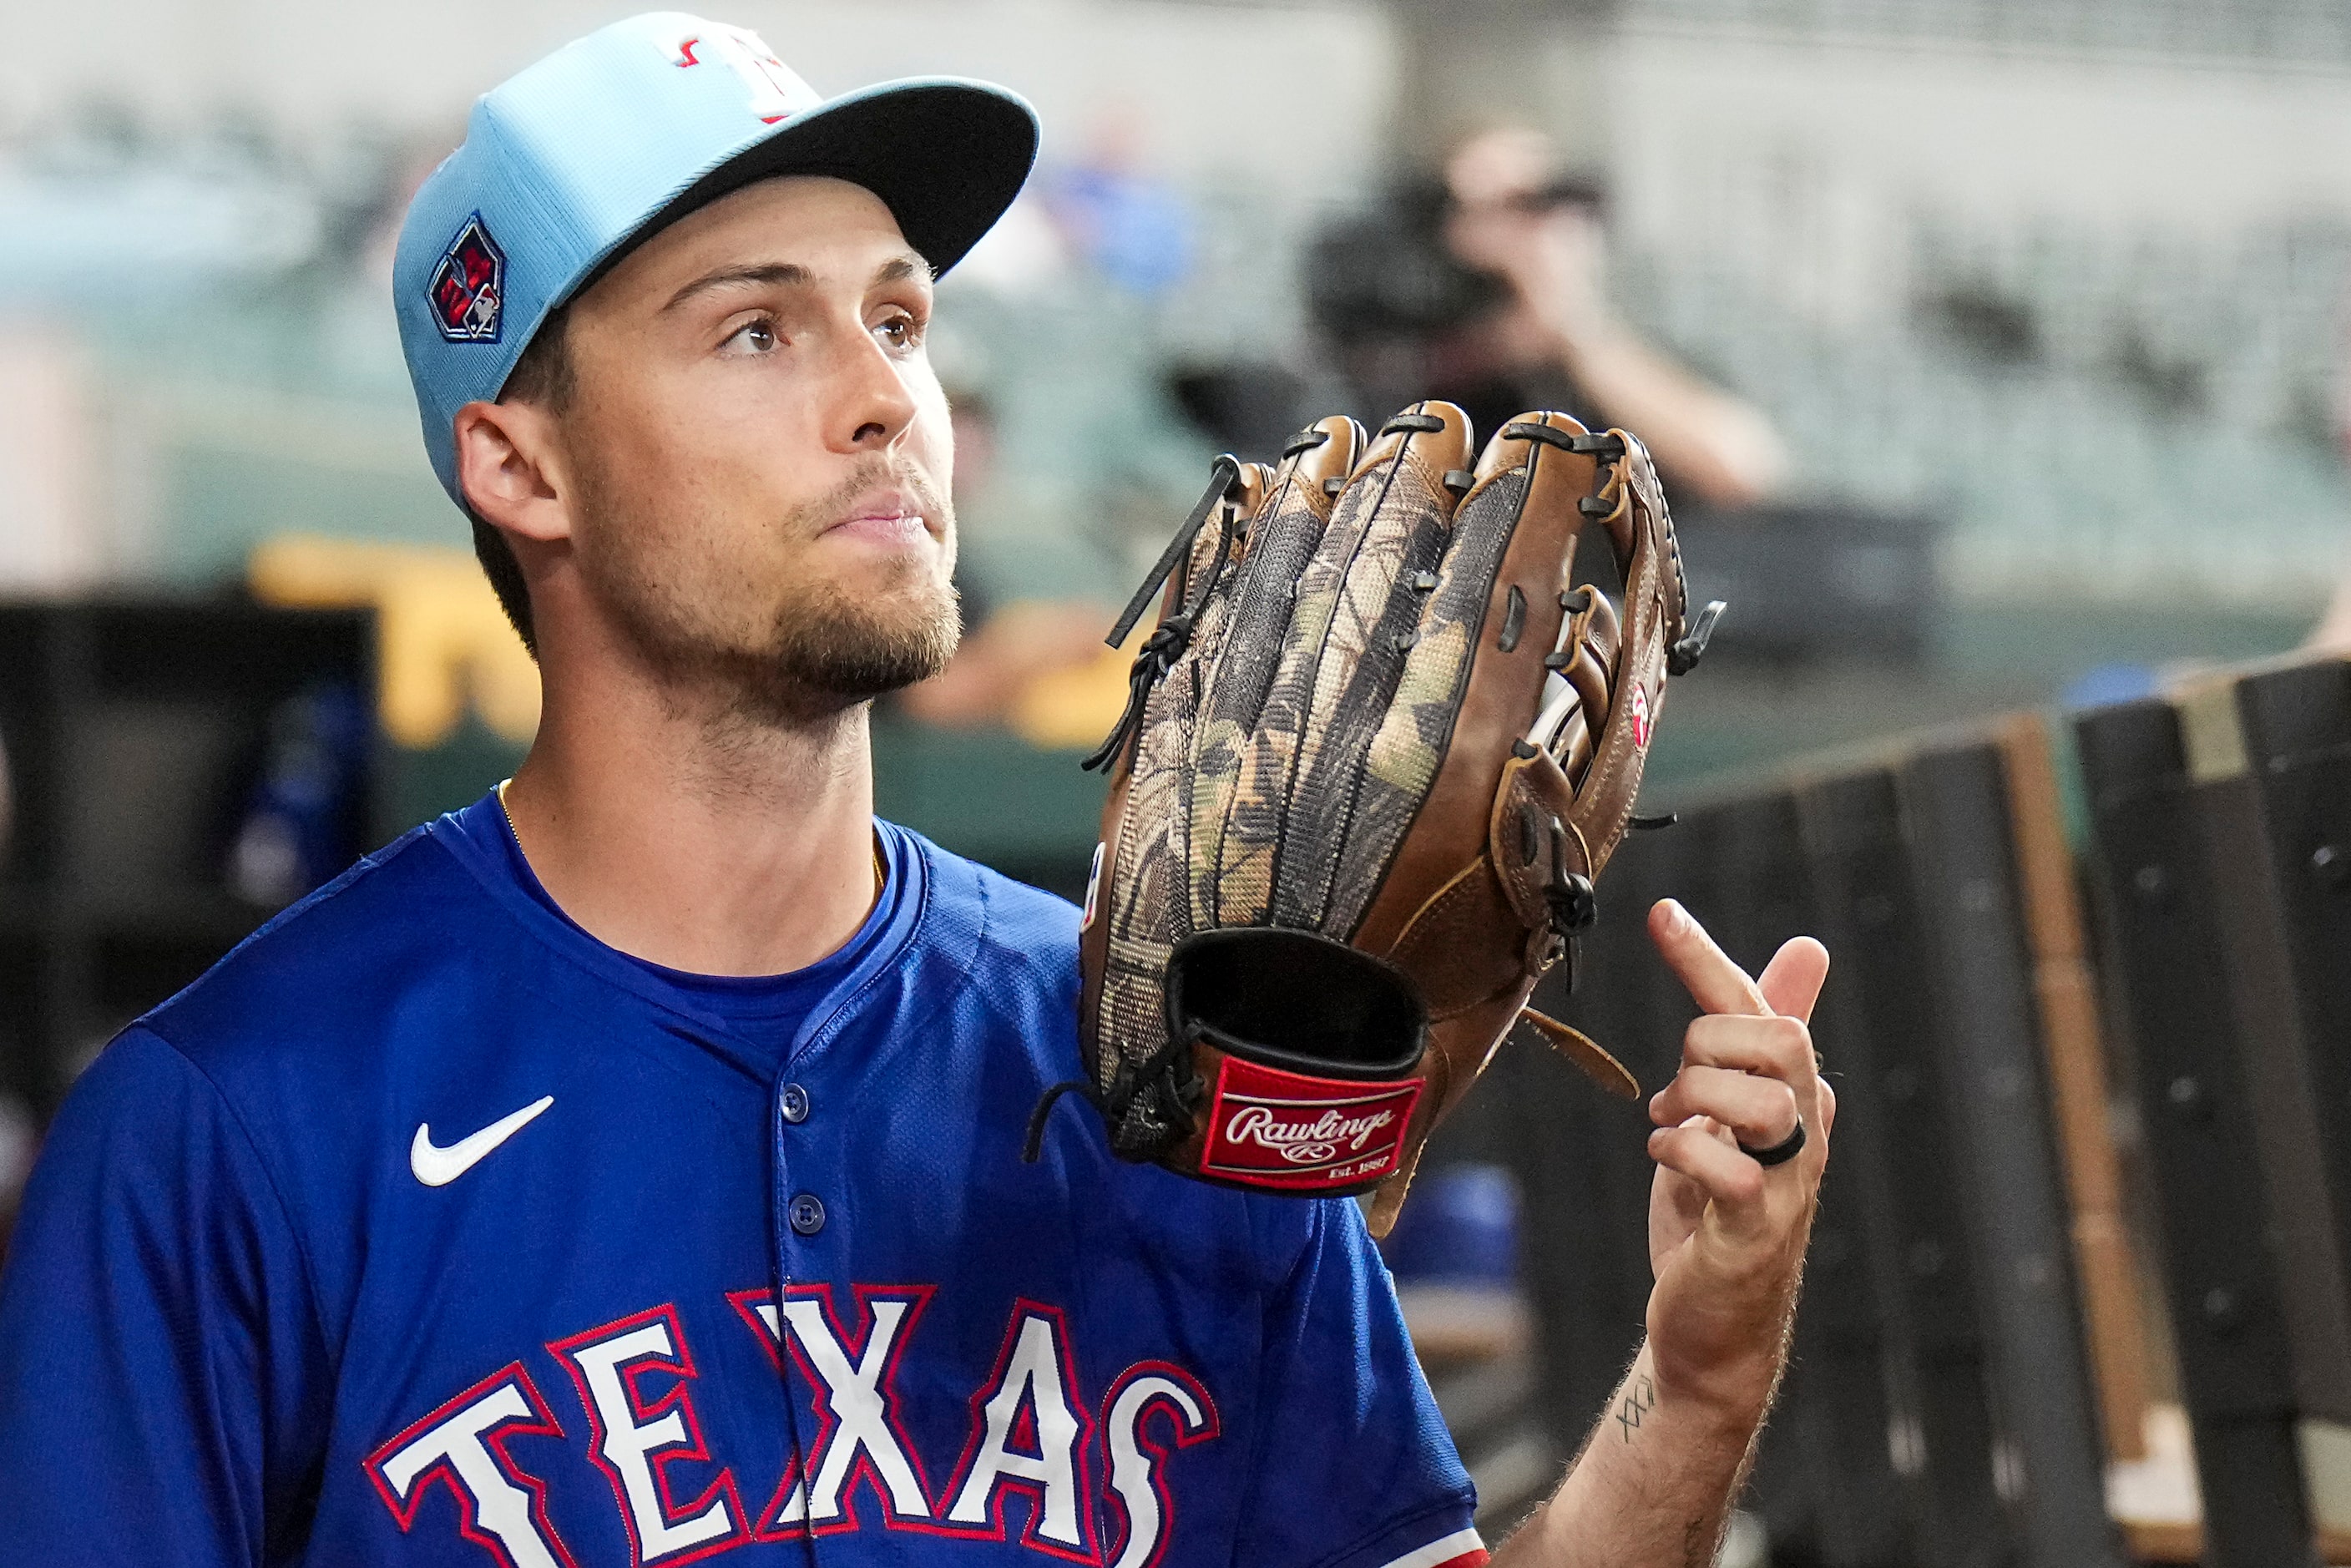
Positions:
(437, 1167)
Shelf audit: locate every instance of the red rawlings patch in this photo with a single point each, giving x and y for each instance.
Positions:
(1641, 717)
(1275, 1129)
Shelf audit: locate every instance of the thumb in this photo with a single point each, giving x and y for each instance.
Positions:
(1790, 982)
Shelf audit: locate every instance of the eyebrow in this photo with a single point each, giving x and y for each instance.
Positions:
(792, 275)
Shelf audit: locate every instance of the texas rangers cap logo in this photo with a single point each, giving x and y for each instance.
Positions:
(468, 289)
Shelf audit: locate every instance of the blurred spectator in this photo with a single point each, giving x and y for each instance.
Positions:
(1133, 226)
(51, 459)
(1485, 289)
(2333, 632)
(18, 1138)
(296, 831)
(1021, 256)
(1008, 651)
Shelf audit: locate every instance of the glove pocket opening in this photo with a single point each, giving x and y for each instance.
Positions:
(1296, 999)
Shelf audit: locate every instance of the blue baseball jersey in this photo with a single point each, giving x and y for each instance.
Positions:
(426, 1230)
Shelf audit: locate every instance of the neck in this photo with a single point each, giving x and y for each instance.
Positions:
(676, 831)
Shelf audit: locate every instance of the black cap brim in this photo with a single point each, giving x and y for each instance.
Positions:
(945, 155)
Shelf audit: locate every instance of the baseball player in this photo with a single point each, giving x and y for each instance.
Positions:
(625, 1169)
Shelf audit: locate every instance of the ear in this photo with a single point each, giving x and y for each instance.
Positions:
(509, 467)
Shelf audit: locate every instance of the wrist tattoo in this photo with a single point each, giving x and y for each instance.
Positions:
(1640, 1398)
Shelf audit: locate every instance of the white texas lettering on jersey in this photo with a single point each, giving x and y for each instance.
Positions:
(1033, 1379)
(857, 1397)
(1141, 1392)
(464, 1445)
(1029, 1430)
(632, 1450)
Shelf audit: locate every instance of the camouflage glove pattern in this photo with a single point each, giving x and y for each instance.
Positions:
(1378, 751)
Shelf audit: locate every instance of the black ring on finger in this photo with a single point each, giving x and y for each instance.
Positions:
(1781, 1153)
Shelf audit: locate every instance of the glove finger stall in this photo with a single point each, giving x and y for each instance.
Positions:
(1249, 845)
(1284, 537)
(1374, 627)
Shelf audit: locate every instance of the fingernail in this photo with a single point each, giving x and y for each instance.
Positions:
(1677, 917)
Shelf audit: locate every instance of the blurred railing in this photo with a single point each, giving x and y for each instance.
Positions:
(2089, 1028)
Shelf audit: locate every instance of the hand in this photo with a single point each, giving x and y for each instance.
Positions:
(1727, 1234)
(1551, 258)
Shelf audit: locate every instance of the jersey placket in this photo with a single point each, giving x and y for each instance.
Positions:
(810, 1206)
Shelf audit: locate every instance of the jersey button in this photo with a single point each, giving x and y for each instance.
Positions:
(806, 1213)
(796, 1104)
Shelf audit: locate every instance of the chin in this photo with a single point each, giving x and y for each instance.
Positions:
(851, 647)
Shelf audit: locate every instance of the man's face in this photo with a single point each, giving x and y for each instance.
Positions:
(760, 453)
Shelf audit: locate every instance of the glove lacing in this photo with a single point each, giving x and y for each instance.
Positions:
(1167, 644)
(1148, 1108)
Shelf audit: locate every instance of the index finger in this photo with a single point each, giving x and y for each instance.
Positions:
(1705, 970)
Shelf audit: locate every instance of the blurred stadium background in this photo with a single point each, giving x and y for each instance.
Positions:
(2046, 300)
(2063, 280)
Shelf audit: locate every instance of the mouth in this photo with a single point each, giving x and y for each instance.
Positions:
(889, 517)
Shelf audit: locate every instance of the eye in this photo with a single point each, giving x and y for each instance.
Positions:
(756, 337)
(900, 331)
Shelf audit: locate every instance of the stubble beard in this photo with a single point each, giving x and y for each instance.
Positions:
(817, 652)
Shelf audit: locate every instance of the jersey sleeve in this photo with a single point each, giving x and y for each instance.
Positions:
(157, 1336)
(1357, 1470)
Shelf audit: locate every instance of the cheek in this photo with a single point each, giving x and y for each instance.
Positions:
(652, 532)
(929, 445)
(717, 486)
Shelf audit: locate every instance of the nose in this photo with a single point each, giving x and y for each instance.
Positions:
(872, 407)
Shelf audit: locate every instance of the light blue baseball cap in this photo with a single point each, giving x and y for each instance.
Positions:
(573, 161)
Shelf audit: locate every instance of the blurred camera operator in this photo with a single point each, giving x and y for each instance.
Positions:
(1485, 289)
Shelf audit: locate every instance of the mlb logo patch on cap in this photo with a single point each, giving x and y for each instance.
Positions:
(469, 288)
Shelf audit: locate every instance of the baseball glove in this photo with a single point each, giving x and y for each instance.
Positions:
(1375, 756)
